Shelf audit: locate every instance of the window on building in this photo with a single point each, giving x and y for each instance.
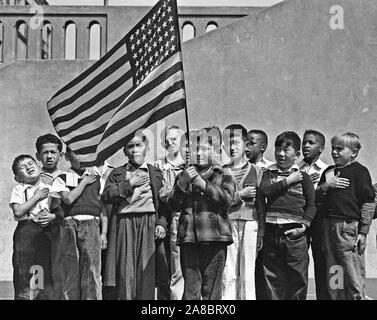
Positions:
(46, 41)
(70, 41)
(188, 31)
(94, 41)
(22, 39)
(211, 26)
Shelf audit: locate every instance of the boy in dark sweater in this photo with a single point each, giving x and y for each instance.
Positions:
(81, 240)
(289, 212)
(346, 198)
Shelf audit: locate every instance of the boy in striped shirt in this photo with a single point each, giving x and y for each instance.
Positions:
(238, 278)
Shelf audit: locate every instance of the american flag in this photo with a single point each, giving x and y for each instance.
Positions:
(138, 82)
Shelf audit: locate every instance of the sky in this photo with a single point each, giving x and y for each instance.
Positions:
(180, 2)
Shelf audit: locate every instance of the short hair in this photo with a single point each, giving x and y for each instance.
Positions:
(165, 131)
(235, 130)
(348, 139)
(137, 133)
(261, 133)
(48, 138)
(317, 134)
(18, 160)
(211, 134)
(289, 138)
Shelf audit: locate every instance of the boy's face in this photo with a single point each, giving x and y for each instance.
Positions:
(172, 141)
(342, 155)
(235, 148)
(205, 154)
(255, 146)
(49, 156)
(136, 150)
(311, 146)
(285, 156)
(28, 171)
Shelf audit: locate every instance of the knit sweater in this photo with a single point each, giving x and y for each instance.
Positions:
(294, 201)
(348, 202)
(87, 203)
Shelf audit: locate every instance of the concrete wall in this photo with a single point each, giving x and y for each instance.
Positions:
(279, 69)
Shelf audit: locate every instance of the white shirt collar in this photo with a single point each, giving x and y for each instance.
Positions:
(274, 167)
(319, 164)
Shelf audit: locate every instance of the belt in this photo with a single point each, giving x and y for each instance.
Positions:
(82, 217)
(284, 226)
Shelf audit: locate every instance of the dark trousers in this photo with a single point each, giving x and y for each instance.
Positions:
(316, 241)
(285, 263)
(344, 275)
(31, 262)
(202, 268)
(53, 233)
(135, 256)
(260, 281)
(81, 259)
(163, 268)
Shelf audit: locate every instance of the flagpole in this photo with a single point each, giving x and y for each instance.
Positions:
(184, 84)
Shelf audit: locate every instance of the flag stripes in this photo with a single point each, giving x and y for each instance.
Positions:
(139, 81)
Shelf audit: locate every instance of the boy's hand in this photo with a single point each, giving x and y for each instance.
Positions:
(338, 183)
(159, 232)
(45, 218)
(188, 175)
(295, 233)
(259, 243)
(89, 179)
(248, 193)
(315, 177)
(103, 242)
(41, 194)
(199, 182)
(295, 176)
(138, 179)
(145, 188)
(360, 244)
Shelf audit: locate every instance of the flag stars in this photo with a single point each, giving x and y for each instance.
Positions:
(159, 29)
(164, 25)
(144, 37)
(149, 21)
(137, 32)
(172, 48)
(133, 47)
(166, 34)
(132, 37)
(138, 42)
(143, 27)
(170, 19)
(168, 9)
(135, 55)
(159, 39)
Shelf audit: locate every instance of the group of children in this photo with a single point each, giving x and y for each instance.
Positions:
(187, 227)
